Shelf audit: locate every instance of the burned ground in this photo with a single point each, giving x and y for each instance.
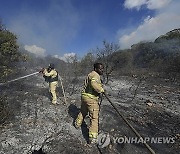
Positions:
(151, 106)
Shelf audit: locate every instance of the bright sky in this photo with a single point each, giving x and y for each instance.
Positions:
(65, 27)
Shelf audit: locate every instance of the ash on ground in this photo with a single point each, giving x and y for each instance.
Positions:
(152, 107)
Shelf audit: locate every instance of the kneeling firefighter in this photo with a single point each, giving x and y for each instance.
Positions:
(89, 101)
(51, 76)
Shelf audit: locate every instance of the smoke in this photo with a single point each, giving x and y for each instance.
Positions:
(38, 51)
(67, 57)
(52, 27)
(166, 19)
(150, 4)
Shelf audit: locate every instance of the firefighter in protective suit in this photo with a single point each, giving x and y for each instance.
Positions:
(51, 76)
(89, 101)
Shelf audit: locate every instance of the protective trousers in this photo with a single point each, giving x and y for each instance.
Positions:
(89, 105)
(52, 90)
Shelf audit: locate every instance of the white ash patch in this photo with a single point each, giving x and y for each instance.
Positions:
(10, 142)
(120, 84)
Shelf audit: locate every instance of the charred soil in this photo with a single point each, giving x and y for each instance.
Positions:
(35, 125)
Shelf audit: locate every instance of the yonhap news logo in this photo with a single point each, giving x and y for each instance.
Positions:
(137, 140)
(104, 139)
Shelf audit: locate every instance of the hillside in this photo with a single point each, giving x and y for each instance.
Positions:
(35, 122)
(173, 34)
(161, 57)
(143, 85)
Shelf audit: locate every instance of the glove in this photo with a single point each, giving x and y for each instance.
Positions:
(42, 70)
(103, 93)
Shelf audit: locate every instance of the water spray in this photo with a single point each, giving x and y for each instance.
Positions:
(1, 84)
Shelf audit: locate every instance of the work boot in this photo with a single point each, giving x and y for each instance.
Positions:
(54, 102)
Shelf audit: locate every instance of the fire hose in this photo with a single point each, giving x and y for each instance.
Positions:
(132, 128)
(126, 121)
(62, 89)
(1, 84)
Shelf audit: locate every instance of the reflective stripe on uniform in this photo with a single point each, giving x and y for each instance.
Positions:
(78, 122)
(90, 96)
(94, 79)
(93, 135)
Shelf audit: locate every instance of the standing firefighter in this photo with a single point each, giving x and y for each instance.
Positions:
(51, 76)
(89, 101)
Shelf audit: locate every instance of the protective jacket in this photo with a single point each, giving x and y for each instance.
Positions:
(50, 76)
(92, 86)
